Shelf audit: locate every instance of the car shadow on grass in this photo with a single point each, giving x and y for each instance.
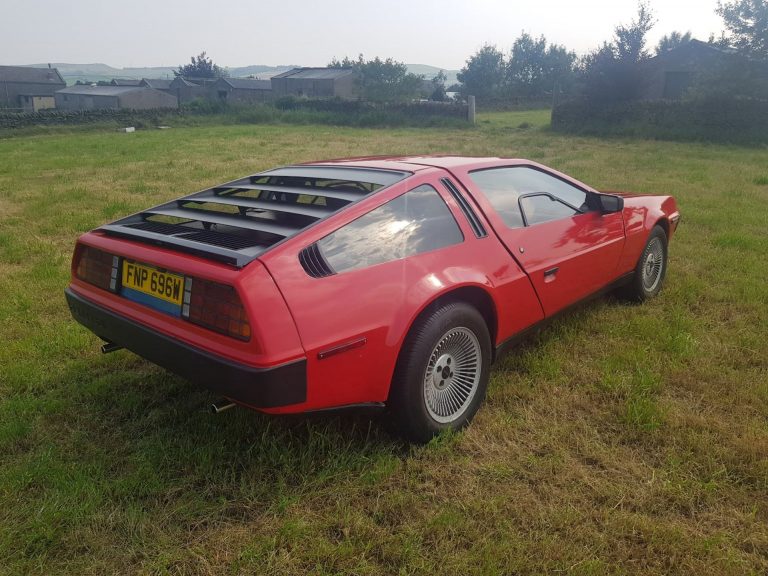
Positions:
(127, 407)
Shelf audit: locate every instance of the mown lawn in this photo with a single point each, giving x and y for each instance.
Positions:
(622, 440)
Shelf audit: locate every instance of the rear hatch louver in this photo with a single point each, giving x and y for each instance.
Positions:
(237, 221)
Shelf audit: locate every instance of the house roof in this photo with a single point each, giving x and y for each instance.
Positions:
(126, 82)
(248, 83)
(697, 47)
(316, 73)
(181, 81)
(156, 83)
(28, 75)
(85, 89)
(193, 81)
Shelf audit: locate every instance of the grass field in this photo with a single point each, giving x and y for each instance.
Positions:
(622, 440)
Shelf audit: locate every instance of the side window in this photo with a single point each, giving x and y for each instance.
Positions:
(539, 208)
(504, 186)
(418, 221)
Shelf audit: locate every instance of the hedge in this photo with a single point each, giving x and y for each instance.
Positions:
(739, 121)
(356, 107)
(51, 117)
(284, 110)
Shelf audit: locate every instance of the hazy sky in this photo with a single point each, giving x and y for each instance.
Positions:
(240, 32)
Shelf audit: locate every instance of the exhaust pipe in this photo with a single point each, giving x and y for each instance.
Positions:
(221, 405)
(108, 347)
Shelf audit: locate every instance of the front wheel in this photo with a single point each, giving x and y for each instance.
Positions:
(650, 269)
(442, 373)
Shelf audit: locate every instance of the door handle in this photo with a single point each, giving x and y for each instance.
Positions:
(549, 275)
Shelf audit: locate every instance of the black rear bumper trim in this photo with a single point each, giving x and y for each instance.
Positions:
(258, 387)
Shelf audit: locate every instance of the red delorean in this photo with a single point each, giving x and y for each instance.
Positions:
(363, 282)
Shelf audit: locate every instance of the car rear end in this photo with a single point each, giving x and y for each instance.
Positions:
(182, 286)
(190, 316)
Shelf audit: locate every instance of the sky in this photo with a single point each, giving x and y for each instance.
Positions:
(442, 33)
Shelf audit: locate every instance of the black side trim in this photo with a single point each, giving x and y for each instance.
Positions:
(516, 339)
(363, 408)
(469, 213)
(258, 387)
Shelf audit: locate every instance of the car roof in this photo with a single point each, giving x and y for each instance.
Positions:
(447, 162)
(415, 163)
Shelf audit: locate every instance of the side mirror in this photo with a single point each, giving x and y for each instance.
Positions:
(610, 204)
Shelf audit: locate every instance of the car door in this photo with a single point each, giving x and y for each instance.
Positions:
(568, 250)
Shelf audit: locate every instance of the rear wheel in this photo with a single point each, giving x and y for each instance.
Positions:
(442, 373)
(651, 268)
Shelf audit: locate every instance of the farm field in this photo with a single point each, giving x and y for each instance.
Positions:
(623, 439)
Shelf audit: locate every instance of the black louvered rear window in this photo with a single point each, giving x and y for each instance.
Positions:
(237, 221)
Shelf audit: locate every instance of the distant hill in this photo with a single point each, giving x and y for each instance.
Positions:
(98, 71)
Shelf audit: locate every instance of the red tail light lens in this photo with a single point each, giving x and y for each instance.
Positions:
(216, 307)
(97, 267)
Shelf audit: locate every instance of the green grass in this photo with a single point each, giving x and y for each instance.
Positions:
(622, 440)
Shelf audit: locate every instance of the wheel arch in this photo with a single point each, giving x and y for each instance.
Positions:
(476, 296)
(664, 223)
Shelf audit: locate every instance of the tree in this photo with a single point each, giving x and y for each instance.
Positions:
(534, 67)
(614, 72)
(526, 67)
(438, 87)
(673, 40)
(630, 40)
(200, 66)
(346, 62)
(747, 24)
(483, 74)
(382, 80)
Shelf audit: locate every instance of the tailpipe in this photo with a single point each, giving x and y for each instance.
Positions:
(108, 347)
(221, 405)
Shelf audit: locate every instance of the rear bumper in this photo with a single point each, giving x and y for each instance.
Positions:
(258, 387)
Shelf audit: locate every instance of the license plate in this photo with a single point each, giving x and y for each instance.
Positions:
(148, 285)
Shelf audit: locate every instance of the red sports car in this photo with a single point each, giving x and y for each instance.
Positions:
(363, 282)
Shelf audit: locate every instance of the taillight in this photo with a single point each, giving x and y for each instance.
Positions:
(215, 306)
(97, 267)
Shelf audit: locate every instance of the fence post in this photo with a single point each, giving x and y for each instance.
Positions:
(471, 109)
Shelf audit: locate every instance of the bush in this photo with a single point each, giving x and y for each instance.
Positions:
(716, 119)
(205, 106)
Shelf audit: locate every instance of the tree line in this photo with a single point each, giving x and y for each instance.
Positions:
(535, 69)
(613, 71)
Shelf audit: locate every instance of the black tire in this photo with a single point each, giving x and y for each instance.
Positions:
(650, 270)
(437, 385)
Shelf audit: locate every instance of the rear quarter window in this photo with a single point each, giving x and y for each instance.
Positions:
(416, 222)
